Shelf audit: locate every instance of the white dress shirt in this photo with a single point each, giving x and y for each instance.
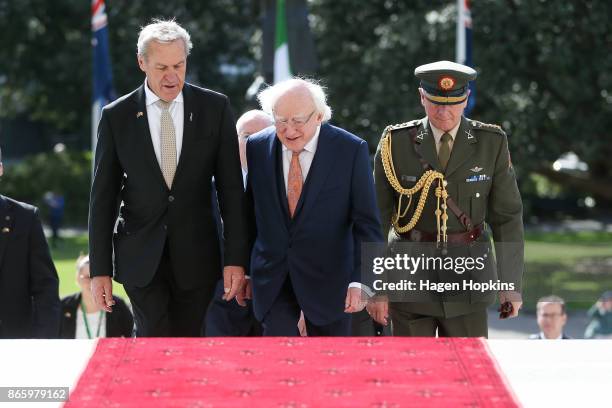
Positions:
(176, 109)
(244, 177)
(437, 134)
(306, 158)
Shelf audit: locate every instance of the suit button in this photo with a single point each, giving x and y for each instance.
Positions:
(477, 195)
(165, 227)
(171, 198)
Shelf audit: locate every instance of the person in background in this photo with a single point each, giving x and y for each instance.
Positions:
(83, 319)
(552, 317)
(249, 123)
(600, 314)
(29, 286)
(56, 204)
(228, 318)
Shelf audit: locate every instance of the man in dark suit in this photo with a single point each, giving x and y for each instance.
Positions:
(314, 205)
(150, 220)
(29, 301)
(552, 318)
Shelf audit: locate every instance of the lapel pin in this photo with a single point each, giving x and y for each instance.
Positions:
(191, 116)
(139, 114)
(6, 230)
(469, 134)
(420, 135)
(476, 169)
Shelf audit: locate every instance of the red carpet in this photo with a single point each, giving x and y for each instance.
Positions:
(296, 372)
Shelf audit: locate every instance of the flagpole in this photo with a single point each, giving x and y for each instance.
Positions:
(460, 41)
(463, 46)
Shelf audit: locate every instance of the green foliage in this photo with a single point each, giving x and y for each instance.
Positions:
(545, 70)
(45, 54)
(368, 55)
(67, 173)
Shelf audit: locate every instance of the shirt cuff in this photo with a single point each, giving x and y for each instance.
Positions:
(363, 287)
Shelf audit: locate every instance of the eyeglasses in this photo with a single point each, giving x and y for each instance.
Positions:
(549, 315)
(296, 123)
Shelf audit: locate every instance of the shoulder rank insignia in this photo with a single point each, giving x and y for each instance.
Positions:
(486, 126)
(404, 125)
(398, 126)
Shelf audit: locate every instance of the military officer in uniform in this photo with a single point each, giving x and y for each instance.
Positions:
(463, 166)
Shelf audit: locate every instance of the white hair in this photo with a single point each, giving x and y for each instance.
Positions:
(162, 31)
(255, 114)
(269, 96)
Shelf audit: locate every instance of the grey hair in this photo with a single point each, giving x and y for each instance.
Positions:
(269, 96)
(162, 31)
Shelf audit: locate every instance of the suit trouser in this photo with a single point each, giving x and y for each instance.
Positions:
(363, 325)
(225, 318)
(162, 309)
(283, 316)
(416, 325)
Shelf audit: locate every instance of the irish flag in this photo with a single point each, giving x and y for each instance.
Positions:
(282, 66)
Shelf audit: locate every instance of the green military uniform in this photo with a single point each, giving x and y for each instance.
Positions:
(480, 180)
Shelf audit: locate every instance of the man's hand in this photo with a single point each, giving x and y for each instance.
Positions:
(245, 293)
(514, 298)
(378, 308)
(102, 291)
(302, 325)
(233, 284)
(355, 301)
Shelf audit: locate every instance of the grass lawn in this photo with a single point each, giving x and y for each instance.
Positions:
(576, 266)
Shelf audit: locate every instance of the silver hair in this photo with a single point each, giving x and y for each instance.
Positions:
(269, 96)
(162, 31)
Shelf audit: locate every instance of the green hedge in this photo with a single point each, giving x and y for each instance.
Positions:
(67, 173)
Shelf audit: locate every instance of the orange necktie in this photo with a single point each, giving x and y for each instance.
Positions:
(294, 182)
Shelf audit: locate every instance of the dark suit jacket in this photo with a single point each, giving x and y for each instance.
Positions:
(127, 171)
(320, 247)
(119, 323)
(29, 301)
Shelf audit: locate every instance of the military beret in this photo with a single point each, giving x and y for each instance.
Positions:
(445, 82)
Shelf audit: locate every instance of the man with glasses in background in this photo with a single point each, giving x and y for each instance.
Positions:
(552, 317)
(314, 205)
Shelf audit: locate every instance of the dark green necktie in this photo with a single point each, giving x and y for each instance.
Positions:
(445, 151)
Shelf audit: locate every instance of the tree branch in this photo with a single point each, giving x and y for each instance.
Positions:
(599, 188)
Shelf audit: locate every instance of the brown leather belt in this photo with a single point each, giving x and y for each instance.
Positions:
(455, 238)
